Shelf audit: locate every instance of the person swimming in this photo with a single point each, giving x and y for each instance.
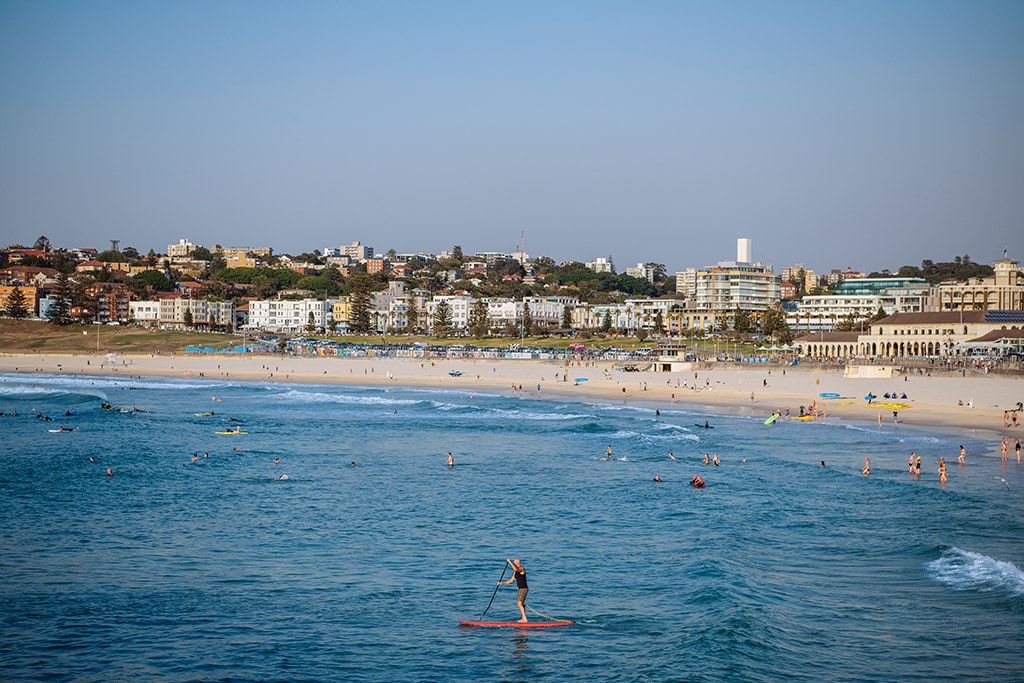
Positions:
(657, 478)
(697, 482)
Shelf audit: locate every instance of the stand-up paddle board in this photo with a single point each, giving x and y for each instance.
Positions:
(516, 624)
(772, 419)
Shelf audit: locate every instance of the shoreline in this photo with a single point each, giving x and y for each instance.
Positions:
(932, 402)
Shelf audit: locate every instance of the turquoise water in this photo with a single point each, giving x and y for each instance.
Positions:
(218, 570)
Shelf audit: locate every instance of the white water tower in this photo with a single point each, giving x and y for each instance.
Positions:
(744, 250)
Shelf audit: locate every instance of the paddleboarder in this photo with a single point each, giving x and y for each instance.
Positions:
(519, 576)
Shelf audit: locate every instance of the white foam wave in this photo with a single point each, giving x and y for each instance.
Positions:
(68, 384)
(347, 399)
(965, 570)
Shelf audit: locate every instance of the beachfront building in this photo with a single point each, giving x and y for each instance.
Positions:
(835, 276)
(112, 301)
(737, 285)
(686, 282)
(31, 295)
(341, 310)
(804, 278)
(1004, 291)
(146, 312)
(242, 257)
(357, 252)
(180, 251)
(685, 318)
(641, 271)
(289, 316)
(920, 335)
(390, 308)
(859, 300)
(459, 304)
(205, 313)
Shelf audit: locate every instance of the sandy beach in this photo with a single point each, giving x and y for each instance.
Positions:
(751, 390)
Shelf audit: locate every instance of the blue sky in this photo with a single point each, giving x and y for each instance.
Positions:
(862, 134)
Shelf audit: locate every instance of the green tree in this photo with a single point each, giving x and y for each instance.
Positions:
(773, 321)
(659, 322)
(741, 320)
(60, 261)
(42, 244)
(479, 319)
(606, 324)
(527, 320)
(15, 307)
(155, 280)
(60, 306)
(82, 298)
(442, 319)
(412, 315)
(567, 317)
(311, 323)
(359, 305)
(189, 319)
(201, 254)
(110, 256)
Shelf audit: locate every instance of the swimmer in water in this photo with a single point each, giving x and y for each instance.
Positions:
(657, 478)
(451, 459)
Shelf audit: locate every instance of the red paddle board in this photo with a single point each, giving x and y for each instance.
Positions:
(517, 624)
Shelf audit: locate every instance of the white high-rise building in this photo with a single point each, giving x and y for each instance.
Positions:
(744, 250)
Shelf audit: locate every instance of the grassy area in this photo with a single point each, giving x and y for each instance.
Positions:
(27, 336)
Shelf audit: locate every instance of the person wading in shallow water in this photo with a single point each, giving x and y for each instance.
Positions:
(519, 576)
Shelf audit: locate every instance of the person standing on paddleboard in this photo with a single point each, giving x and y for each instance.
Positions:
(519, 576)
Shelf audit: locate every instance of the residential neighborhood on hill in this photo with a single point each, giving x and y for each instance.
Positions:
(939, 309)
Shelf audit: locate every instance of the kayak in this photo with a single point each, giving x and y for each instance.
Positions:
(516, 624)
(231, 432)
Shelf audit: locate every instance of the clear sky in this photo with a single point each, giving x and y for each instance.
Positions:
(868, 134)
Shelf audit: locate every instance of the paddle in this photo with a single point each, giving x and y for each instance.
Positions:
(504, 568)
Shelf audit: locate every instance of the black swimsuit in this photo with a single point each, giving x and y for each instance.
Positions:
(521, 579)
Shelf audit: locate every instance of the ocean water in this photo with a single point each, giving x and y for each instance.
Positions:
(216, 569)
